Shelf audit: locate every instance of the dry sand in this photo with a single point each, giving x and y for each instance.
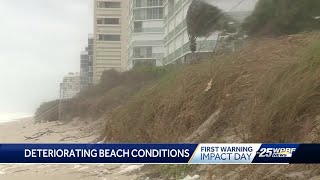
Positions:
(25, 131)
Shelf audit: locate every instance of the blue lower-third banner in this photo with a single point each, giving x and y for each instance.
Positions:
(160, 153)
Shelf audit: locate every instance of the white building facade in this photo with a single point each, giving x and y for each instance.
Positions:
(110, 36)
(176, 40)
(146, 32)
(70, 86)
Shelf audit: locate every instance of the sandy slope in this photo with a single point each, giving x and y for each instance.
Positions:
(25, 131)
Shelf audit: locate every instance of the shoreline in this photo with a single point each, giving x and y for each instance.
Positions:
(15, 120)
(25, 130)
(76, 131)
(14, 116)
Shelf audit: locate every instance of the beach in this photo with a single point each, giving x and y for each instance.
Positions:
(76, 131)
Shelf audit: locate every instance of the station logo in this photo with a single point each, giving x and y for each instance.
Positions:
(276, 152)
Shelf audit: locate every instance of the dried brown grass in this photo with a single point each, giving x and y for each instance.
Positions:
(269, 91)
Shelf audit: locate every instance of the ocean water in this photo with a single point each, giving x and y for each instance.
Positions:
(9, 117)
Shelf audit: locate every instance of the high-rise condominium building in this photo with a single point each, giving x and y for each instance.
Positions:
(86, 65)
(145, 32)
(90, 50)
(110, 36)
(70, 86)
(176, 40)
(84, 70)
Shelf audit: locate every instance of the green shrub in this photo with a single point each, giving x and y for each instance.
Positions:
(48, 111)
(113, 90)
(277, 17)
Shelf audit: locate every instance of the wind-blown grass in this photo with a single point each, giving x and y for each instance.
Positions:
(268, 92)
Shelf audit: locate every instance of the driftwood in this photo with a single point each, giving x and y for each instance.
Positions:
(204, 128)
(68, 138)
(40, 134)
(77, 137)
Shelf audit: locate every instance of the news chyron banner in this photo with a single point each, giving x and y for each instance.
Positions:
(159, 153)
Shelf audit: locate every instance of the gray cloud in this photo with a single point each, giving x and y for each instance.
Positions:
(41, 41)
(226, 5)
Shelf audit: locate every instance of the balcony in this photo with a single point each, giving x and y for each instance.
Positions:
(170, 13)
(171, 35)
(148, 30)
(178, 4)
(147, 43)
(144, 3)
(147, 56)
(175, 31)
(148, 16)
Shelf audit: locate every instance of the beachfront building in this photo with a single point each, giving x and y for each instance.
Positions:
(145, 32)
(110, 36)
(90, 51)
(86, 65)
(70, 86)
(84, 70)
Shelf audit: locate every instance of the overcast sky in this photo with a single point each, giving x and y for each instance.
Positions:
(241, 5)
(40, 42)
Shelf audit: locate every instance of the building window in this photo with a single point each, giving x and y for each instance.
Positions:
(90, 79)
(108, 37)
(108, 21)
(144, 62)
(84, 57)
(148, 3)
(138, 3)
(99, 21)
(155, 2)
(90, 41)
(150, 13)
(142, 52)
(102, 4)
(155, 13)
(137, 26)
(112, 21)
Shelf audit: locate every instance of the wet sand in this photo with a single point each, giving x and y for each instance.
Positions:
(25, 131)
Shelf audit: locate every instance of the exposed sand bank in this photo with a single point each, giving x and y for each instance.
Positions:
(25, 131)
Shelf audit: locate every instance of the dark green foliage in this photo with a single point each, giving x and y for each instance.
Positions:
(111, 79)
(113, 90)
(203, 20)
(48, 111)
(144, 62)
(276, 17)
